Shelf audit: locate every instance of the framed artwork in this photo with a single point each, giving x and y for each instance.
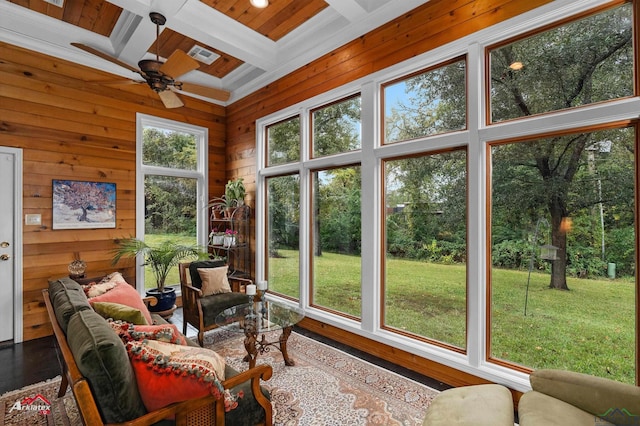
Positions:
(83, 205)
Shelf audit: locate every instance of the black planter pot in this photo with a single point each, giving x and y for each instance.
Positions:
(166, 299)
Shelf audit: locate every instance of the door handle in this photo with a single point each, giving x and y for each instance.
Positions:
(4, 244)
(4, 257)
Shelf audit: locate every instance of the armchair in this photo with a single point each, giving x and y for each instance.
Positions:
(568, 398)
(200, 310)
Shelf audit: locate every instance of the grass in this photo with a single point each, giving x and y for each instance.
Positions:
(588, 329)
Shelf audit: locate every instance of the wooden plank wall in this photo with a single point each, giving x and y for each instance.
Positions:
(70, 128)
(429, 26)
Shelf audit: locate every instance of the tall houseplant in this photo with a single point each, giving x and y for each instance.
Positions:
(161, 258)
(234, 192)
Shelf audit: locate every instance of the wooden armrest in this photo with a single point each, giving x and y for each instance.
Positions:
(245, 281)
(262, 371)
(150, 301)
(189, 287)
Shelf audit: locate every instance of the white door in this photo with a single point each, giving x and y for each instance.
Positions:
(10, 165)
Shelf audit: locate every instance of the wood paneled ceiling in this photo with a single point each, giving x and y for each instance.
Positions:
(252, 46)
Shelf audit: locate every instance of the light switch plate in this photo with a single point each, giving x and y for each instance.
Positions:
(33, 219)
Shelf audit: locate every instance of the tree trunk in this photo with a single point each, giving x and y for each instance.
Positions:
(559, 240)
(83, 217)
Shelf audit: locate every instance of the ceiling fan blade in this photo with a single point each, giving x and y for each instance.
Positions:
(104, 56)
(207, 92)
(170, 99)
(179, 63)
(121, 82)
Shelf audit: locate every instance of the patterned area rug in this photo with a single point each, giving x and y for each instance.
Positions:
(325, 387)
(39, 404)
(329, 387)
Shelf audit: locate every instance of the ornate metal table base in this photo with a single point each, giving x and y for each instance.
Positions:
(256, 347)
(258, 319)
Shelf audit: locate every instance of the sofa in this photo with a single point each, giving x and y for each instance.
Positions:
(102, 374)
(567, 398)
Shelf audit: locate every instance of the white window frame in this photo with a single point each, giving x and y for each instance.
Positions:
(476, 138)
(201, 174)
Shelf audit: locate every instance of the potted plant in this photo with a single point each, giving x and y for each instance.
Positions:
(216, 238)
(234, 192)
(230, 238)
(161, 258)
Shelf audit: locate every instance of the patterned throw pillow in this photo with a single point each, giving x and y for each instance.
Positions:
(167, 373)
(214, 280)
(167, 333)
(107, 283)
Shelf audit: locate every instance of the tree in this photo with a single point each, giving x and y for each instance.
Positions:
(170, 201)
(578, 64)
(85, 196)
(584, 62)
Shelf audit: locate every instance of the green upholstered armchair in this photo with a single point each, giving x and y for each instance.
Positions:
(199, 310)
(567, 398)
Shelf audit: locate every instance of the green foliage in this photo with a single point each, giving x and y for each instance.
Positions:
(170, 202)
(161, 257)
(620, 250)
(234, 192)
(284, 142)
(513, 255)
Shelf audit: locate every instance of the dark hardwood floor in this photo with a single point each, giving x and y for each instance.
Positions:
(37, 360)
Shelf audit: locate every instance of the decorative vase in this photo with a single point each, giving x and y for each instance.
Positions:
(77, 269)
(217, 240)
(166, 299)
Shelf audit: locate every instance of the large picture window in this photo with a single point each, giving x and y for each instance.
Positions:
(574, 309)
(426, 246)
(283, 242)
(475, 205)
(172, 176)
(336, 240)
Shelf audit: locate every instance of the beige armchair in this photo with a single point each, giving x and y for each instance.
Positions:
(199, 310)
(567, 398)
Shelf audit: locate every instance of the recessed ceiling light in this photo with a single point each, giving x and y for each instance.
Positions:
(259, 3)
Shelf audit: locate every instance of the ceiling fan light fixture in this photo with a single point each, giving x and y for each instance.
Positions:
(261, 4)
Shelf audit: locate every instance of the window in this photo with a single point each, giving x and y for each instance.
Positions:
(426, 246)
(583, 205)
(336, 240)
(579, 63)
(404, 216)
(283, 242)
(283, 142)
(336, 128)
(172, 177)
(426, 104)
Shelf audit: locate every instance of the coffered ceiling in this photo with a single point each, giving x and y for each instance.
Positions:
(245, 47)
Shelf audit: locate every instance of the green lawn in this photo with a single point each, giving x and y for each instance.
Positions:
(588, 329)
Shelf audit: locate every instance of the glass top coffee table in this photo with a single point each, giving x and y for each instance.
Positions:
(259, 318)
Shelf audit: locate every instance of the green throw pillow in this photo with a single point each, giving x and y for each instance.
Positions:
(67, 298)
(117, 311)
(103, 360)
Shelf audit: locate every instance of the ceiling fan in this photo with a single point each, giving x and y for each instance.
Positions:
(161, 76)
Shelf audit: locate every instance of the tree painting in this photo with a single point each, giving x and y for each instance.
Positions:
(79, 204)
